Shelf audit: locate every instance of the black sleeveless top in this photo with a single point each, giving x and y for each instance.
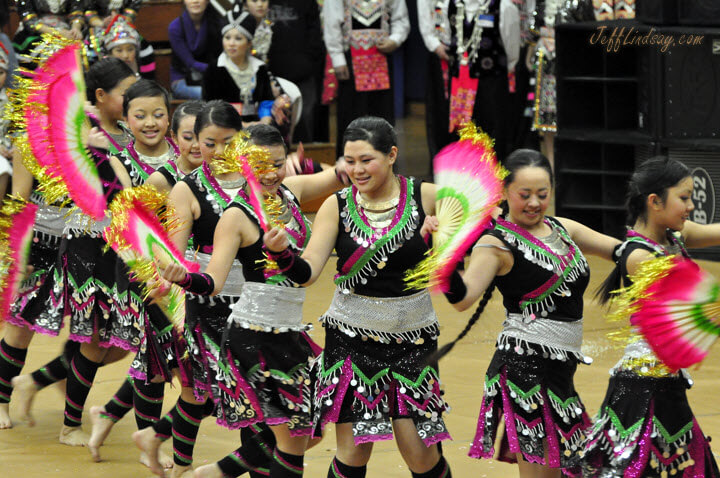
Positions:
(251, 256)
(542, 283)
(212, 200)
(634, 241)
(170, 172)
(383, 273)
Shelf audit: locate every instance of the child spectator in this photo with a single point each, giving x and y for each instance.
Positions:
(123, 41)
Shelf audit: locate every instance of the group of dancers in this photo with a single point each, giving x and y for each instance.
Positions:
(243, 354)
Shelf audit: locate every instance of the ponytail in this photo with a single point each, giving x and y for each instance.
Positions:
(607, 290)
(445, 349)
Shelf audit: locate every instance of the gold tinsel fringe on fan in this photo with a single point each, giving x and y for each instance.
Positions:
(240, 145)
(151, 199)
(143, 269)
(10, 206)
(259, 160)
(52, 187)
(478, 137)
(625, 303)
(420, 277)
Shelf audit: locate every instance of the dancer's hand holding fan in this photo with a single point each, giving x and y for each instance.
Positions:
(16, 232)
(138, 232)
(469, 184)
(676, 307)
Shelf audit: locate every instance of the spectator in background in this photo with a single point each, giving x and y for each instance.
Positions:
(7, 43)
(196, 41)
(241, 79)
(469, 56)
(359, 35)
(39, 16)
(99, 13)
(123, 41)
(297, 53)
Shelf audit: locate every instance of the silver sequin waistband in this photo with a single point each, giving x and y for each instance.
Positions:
(557, 339)
(51, 220)
(80, 224)
(395, 316)
(235, 280)
(269, 308)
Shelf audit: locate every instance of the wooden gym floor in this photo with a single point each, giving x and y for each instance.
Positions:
(35, 452)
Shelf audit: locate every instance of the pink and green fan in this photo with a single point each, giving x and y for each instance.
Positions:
(138, 232)
(16, 233)
(65, 126)
(676, 307)
(469, 184)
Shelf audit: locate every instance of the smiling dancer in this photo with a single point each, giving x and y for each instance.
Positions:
(645, 426)
(530, 412)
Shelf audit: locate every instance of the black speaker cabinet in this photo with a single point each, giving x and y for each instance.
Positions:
(657, 12)
(705, 170)
(699, 12)
(692, 76)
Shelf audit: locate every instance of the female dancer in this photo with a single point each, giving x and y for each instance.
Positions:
(530, 412)
(373, 379)
(645, 426)
(105, 417)
(146, 106)
(49, 225)
(259, 381)
(79, 286)
(189, 157)
(199, 200)
(107, 81)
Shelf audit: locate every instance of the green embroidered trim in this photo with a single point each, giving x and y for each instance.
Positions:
(136, 166)
(624, 432)
(370, 381)
(491, 382)
(666, 435)
(523, 395)
(209, 187)
(382, 241)
(414, 384)
(563, 403)
(326, 372)
(566, 270)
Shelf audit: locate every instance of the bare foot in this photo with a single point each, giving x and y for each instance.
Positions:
(5, 421)
(24, 390)
(149, 444)
(165, 461)
(181, 472)
(209, 471)
(100, 430)
(73, 436)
